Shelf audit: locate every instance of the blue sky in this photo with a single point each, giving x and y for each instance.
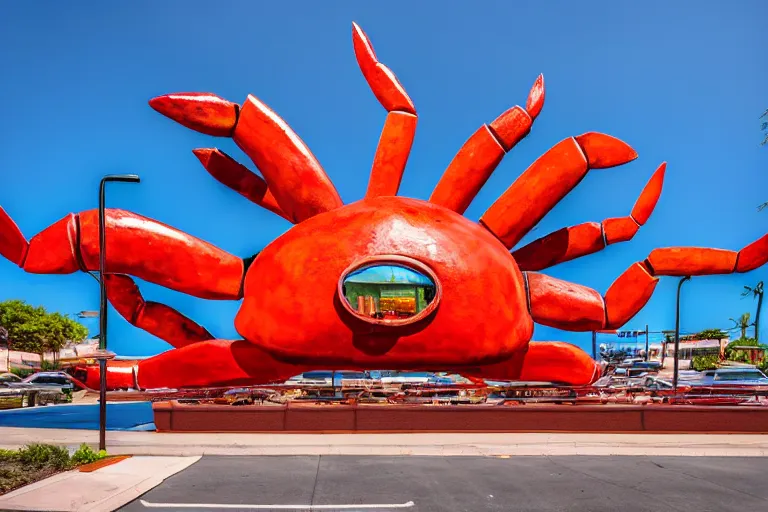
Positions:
(680, 82)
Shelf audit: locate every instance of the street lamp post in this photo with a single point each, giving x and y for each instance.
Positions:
(677, 333)
(103, 354)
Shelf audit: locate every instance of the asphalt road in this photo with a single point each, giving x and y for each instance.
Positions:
(472, 484)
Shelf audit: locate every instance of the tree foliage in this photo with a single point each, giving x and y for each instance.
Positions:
(708, 362)
(756, 292)
(711, 334)
(33, 329)
(742, 323)
(740, 356)
(764, 127)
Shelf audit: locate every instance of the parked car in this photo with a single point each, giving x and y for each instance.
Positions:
(54, 380)
(732, 377)
(10, 380)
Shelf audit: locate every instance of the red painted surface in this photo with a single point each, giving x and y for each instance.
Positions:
(562, 245)
(392, 154)
(574, 242)
(294, 175)
(542, 361)
(692, 261)
(535, 101)
(645, 204)
(221, 361)
(178, 417)
(468, 171)
(603, 151)
(137, 246)
(200, 111)
(238, 177)
(384, 84)
(13, 245)
(548, 180)
(619, 229)
(628, 294)
(293, 316)
(474, 271)
(564, 305)
(483, 151)
(753, 256)
(158, 319)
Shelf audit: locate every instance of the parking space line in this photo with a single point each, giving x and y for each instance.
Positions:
(372, 506)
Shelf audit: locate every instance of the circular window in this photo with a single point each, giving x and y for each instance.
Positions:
(389, 290)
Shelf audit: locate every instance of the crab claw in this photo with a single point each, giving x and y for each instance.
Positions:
(603, 151)
(200, 111)
(535, 101)
(645, 204)
(384, 84)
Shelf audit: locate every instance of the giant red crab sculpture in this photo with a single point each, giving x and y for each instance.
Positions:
(295, 315)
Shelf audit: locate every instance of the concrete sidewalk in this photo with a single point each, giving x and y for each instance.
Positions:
(105, 489)
(484, 444)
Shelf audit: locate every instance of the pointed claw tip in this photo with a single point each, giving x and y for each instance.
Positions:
(535, 101)
(649, 197)
(202, 112)
(204, 155)
(363, 47)
(604, 151)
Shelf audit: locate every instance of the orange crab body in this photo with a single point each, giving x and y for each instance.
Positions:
(291, 307)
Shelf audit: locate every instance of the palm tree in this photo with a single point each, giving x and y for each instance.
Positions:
(742, 323)
(756, 292)
(764, 127)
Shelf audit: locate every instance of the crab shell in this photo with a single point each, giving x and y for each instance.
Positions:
(293, 308)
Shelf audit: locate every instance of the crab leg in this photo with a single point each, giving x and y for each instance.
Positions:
(573, 307)
(295, 177)
(158, 319)
(213, 363)
(548, 180)
(136, 245)
(544, 361)
(484, 150)
(239, 178)
(576, 241)
(399, 128)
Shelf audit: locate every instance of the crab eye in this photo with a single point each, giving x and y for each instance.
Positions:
(390, 291)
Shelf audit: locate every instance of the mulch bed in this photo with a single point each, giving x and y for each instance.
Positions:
(14, 474)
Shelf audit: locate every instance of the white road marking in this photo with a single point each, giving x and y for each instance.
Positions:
(148, 504)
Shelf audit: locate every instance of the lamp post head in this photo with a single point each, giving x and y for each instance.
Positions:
(103, 354)
(129, 178)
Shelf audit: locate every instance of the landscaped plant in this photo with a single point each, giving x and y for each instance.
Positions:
(741, 356)
(86, 455)
(22, 372)
(37, 461)
(708, 362)
(711, 334)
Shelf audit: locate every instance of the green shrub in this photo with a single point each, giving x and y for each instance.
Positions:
(36, 461)
(741, 356)
(49, 366)
(22, 372)
(86, 455)
(41, 455)
(701, 363)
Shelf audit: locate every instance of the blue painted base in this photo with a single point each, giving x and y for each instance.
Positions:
(120, 416)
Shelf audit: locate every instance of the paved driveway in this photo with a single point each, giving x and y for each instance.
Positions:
(474, 484)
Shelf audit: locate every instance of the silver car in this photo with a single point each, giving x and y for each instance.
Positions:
(731, 377)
